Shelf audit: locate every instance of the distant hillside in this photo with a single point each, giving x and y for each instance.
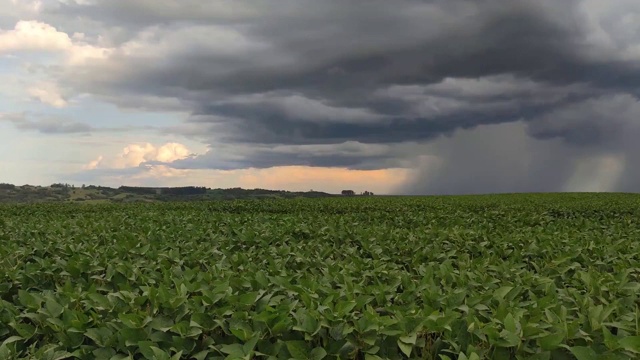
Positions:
(95, 194)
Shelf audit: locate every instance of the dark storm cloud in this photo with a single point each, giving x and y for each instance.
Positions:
(357, 48)
(352, 155)
(599, 121)
(342, 50)
(269, 73)
(417, 113)
(270, 128)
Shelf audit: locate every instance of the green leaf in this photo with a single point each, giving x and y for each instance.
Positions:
(405, 348)
(318, 353)
(307, 324)
(502, 292)
(248, 298)
(54, 308)
(161, 323)
(233, 350)
(410, 339)
(5, 353)
(121, 357)
(510, 324)
(24, 330)
(248, 347)
(202, 355)
(280, 327)
(131, 337)
(160, 354)
(583, 353)
(551, 341)
(11, 340)
(336, 332)
(100, 336)
(609, 340)
(145, 349)
(132, 321)
(262, 279)
(345, 307)
(631, 286)
(630, 343)
(540, 356)
(103, 353)
(298, 349)
(28, 300)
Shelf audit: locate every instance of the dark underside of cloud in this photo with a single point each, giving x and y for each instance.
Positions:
(505, 95)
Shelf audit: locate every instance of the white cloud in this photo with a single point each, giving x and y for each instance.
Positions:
(136, 154)
(160, 172)
(34, 35)
(39, 36)
(93, 164)
(48, 93)
(171, 152)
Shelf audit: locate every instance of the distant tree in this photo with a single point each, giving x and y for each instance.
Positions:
(367, 193)
(7, 186)
(348, 192)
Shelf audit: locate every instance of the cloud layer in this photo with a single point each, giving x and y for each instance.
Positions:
(480, 96)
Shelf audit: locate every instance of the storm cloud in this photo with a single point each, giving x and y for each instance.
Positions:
(477, 96)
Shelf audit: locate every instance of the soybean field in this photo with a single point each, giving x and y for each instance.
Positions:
(532, 276)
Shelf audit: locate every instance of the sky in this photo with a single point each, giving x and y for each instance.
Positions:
(396, 97)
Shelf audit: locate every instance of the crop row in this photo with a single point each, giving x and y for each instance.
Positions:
(498, 277)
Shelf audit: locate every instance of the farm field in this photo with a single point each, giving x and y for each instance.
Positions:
(535, 276)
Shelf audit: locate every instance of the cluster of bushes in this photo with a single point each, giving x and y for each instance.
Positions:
(187, 190)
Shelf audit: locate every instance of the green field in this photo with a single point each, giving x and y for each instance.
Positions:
(476, 277)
